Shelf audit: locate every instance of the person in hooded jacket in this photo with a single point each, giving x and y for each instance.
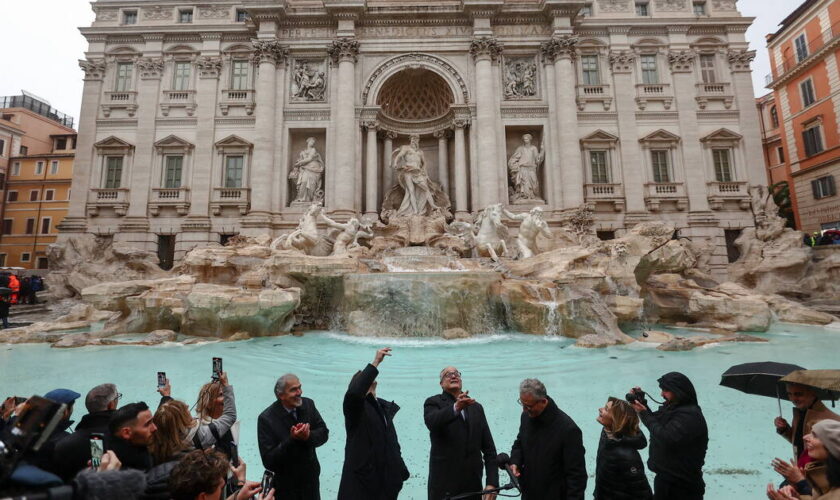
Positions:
(619, 471)
(43, 458)
(679, 439)
(373, 464)
(72, 453)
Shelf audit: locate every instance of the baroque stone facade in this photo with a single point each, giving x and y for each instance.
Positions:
(194, 116)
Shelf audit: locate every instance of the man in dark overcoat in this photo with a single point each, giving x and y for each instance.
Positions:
(548, 454)
(373, 464)
(288, 433)
(461, 441)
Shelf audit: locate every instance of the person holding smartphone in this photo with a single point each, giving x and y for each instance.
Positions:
(373, 465)
(73, 452)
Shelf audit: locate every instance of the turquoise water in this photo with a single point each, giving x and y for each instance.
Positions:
(742, 444)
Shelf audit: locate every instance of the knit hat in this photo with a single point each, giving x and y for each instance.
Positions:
(63, 396)
(828, 431)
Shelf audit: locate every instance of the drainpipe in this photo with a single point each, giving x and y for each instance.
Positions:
(38, 216)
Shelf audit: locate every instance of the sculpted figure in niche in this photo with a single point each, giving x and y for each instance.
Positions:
(410, 166)
(522, 167)
(308, 82)
(307, 173)
(532, 226)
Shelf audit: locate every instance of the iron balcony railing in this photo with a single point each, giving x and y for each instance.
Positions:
(814, 46)
(34, 105)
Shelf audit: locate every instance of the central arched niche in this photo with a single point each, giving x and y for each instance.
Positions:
(415, 94)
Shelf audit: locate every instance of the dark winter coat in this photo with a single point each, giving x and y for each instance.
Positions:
(294, 463)
(550, 455)
(373, 464)
(678, 435)
(43, 458)
(458, 446)
(131, 456)
(619, 471)
(73, 452)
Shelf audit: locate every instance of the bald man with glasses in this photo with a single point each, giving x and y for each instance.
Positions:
(462, 444)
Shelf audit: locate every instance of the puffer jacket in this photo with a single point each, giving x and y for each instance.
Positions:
(619, 471)
(679, 436)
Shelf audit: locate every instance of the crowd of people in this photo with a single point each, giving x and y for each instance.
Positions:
(170, 453)
(818, 238)
(16, 290)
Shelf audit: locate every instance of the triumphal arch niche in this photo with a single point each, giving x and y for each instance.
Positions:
(384, 108)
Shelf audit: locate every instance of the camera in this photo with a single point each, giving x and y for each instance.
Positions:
(636, 395)
(33, 426)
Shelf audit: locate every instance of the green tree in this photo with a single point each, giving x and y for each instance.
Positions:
(781, 195)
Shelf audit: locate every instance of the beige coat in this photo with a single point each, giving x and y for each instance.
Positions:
(815, 413)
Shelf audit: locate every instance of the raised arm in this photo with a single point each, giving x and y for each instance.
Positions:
(228, 418)
(511, 215)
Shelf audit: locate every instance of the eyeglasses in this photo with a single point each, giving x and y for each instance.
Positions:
(527, 406)
(455, 374)
(117, 397)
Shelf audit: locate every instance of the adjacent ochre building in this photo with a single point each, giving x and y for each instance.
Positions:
(36, 167)
(194, 115)
(804, 56)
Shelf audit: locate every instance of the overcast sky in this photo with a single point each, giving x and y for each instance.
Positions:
(41, 45)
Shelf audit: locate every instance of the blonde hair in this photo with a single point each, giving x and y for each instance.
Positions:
(207, 399)
(173, 421)
(625, 421)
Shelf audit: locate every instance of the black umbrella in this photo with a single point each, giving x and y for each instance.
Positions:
(761, 379)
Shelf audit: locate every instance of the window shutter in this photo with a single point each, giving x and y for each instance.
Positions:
(832, 189)
(815, 189)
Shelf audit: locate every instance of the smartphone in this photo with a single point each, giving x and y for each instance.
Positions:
(267, 482)
(161, 380)
(217, 368)
(97, 449)
(234, 454)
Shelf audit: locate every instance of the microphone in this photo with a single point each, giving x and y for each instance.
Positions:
(504, 463)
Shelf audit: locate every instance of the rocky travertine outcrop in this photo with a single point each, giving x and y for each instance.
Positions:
(86, 260)
(542, 308)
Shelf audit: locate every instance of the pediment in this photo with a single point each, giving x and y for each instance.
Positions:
(173, 141)
(233, 141)
(600, 136)
(722, 134)
(660, 135)
(113, 142)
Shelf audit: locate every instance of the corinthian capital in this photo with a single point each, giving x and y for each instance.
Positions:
(343, 49)
(486, 46)
(681, 61)
(209, 67)
(622, 61)
(150, 67)
(739, 60)
(270, 51)
(94, 68)
(560, 47)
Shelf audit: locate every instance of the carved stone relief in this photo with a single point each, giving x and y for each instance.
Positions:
(614, 5)
(671, 5)
(724, 4)
(157, 13)
(209, 67)
(520, 77)
(213, 12)
(106, 15)
(309, 80)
